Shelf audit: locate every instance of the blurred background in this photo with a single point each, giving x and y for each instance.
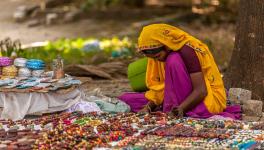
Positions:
(98, 31)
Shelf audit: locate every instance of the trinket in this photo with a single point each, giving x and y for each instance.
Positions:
(5, 61)
(24, 72)
(58, 68)
(20, 62)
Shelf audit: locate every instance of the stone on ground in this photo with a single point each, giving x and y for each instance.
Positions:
(51, 18)
(252, 108)
(250, 118)
(20, 14)
(72, 16)
(238, 95)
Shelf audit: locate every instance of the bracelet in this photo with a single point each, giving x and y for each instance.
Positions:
(149, 108)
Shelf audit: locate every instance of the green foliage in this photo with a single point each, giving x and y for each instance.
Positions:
(9, 47)
(79, 51)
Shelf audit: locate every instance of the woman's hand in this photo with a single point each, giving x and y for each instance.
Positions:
(148, 108)
(176, 112)
(145, 109)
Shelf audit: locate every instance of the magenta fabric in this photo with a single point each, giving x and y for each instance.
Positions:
(136, 101)
(190, 59)
(177, 87)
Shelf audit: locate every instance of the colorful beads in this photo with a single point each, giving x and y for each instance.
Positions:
(20, 62)
(35, 64)
(23, 69)
(37, 73)
(128, 131)
(9, 72)
(24, 72)
(5, 61)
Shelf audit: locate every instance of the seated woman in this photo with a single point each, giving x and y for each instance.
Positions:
(182, 76)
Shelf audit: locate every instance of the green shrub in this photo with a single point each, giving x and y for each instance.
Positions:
(73, 51)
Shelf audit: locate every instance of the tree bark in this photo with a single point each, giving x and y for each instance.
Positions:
(246, 69)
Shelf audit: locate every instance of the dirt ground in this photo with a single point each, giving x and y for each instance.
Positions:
(219, 36)
(9, 28)
(102, 24)
(109, 88)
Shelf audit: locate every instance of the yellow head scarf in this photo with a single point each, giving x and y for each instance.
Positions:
(158, 35)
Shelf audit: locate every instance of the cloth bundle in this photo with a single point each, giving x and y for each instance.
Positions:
(35, 64)
(106, 104)
(85, 107)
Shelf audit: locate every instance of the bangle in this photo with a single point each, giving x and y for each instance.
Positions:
(149, 108)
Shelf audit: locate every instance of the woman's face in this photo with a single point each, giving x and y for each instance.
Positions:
(160, 56)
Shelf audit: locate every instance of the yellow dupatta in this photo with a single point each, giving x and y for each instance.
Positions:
(157, 35)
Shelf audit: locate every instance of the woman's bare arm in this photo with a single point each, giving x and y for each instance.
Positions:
(198, 93)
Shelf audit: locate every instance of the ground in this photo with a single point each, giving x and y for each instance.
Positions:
(110, 88)
(218, 35)
(97, 25)
(121, 22)
(111, 23)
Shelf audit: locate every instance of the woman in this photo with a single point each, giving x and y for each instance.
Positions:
(181, 76)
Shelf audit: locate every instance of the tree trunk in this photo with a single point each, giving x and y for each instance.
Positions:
(246, 69)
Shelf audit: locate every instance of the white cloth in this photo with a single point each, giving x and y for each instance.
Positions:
(17, 105)
(85, 107)
(218, 117)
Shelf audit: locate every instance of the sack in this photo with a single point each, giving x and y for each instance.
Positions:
(137, 74)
